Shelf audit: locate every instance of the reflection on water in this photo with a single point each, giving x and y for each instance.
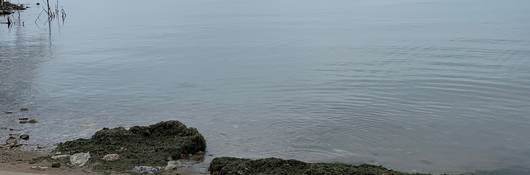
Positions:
(416, 85)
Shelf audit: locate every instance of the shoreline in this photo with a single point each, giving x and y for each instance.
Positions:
(167, 148)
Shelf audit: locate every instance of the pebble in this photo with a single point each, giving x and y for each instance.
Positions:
(24, 137)
(41, 168)
(32, 121)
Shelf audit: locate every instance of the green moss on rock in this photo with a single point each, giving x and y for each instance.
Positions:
(150, 145)
(274, 166)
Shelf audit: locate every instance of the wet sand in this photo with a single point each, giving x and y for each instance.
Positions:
(18, 162)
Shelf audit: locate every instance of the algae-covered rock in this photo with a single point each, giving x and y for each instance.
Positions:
(152, 145)
(274, 166)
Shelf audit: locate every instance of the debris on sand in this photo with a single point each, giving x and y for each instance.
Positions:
(275, 166)
(152, 145)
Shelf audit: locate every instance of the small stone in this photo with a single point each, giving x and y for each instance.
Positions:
(146, 170)
(24, 109)
(33, 121)
(11, 141)
(23, 121)
(38, 3)
(111, 157)
(23, 118)
(24, 137)
(171, 165)
(79, 159)
(41, 168)
(8, 112)
(56, 165)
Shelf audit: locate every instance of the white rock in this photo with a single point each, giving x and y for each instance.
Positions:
(111, 157)
(41, 168)
(171, 165)
(79, 159)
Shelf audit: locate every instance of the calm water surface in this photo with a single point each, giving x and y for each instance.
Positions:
(415, 85)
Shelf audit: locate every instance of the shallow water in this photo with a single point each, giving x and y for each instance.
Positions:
(414, 85)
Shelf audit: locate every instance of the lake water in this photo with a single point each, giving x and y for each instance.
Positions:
(414, 85)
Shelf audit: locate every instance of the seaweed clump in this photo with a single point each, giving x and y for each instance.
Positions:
(152, 145)
(275, 166)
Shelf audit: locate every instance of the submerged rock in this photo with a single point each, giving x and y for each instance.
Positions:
(80, 159)
(33, 121)
(152, 145)
(274, 166)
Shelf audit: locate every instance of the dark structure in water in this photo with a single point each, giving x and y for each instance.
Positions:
(7, 8)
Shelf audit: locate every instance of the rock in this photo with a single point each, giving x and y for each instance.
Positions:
(171, 165)
(11, 141)
(24, 137)
(274, 166)
(38, 3)
(56, 165)
(59, 157)
(150, 145)
(40, 168)
(111, 157)
(79, 159)
(146, 170)
(24, 109)
(32, 121)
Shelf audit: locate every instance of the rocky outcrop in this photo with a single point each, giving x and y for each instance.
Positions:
(152, 145)
(274, 166)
